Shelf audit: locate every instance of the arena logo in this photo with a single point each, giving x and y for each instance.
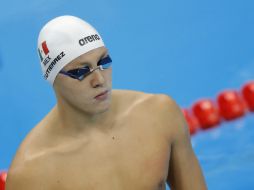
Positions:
(43, 53)
(87, 39)
(52, 64)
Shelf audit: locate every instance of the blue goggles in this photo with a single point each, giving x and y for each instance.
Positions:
(83, 72)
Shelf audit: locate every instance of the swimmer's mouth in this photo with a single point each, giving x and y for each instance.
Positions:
(101, 94)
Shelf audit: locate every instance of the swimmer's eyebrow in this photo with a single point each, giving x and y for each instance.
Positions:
(85, 63)
(82, 64)
(104, 54)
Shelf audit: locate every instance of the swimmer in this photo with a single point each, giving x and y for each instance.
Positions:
(97, 138)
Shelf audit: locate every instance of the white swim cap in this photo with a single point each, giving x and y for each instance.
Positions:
(62, 40)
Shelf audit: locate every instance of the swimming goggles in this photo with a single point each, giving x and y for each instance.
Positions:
(83, 72)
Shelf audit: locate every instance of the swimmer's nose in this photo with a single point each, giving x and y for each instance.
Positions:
(97, 79)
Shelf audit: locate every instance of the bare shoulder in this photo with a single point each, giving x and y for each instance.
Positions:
(158, 102)
(33, 144)
(160, 107)
(28, 166)
(28, 174)
(130, 95)
(169, 115)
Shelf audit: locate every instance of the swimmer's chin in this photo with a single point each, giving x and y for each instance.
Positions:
(99, 112)
(102, 109)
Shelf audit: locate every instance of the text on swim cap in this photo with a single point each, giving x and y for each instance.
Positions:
(87, 39)
(46, 60)
(53, 63)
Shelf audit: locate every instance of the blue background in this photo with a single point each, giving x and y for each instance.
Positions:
(186, 49)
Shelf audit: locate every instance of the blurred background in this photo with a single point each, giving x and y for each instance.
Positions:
(186, 49)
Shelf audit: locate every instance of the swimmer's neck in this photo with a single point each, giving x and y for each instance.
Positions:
(70, 119)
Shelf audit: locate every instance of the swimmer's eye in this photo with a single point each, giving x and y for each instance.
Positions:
(105, 62)
(81, 73)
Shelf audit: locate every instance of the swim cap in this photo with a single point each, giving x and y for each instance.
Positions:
(62, 40)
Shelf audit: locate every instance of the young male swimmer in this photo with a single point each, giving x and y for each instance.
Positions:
(95, 137)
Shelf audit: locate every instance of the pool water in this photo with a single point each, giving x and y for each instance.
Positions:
(226, 154)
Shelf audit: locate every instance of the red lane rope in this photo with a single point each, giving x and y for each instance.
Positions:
(229, 105)
(3, 176)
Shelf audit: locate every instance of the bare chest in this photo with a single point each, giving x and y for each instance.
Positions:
(133, 158)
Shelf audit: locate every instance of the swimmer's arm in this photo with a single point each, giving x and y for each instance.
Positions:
(184, 170)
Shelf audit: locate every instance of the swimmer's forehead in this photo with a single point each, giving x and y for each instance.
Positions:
(88, 58)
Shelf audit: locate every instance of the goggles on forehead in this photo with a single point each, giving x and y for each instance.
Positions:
(83, 72)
